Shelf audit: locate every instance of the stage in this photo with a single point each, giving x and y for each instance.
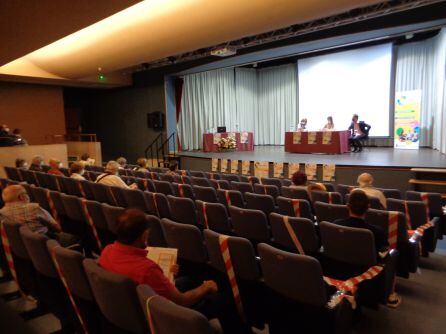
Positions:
(391, 167)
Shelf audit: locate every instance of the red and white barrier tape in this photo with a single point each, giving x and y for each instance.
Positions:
(205, 216)
(293, 235)
(52, 207)
(425, 200)
(330, 199)
(296, 207)
(223, 241)
(393, 229)
(155, 204)
(228, 197)
(91, 223)
(180, 190)
(70, 295)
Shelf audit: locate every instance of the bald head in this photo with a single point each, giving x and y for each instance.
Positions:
(15, 193)
(365, 180)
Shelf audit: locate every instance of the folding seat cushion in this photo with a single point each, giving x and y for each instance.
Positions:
(163, 187)
(106, 286)
(213, 216)
(246, 270)
(326, 197)
(243, 187)
(183, 190)
(262, 202)
(230, 177)
(230, 197)
(330, 212)
(250, 224)
(294, 207)
(169, 318)
(267, 190)
(303, 230)
(183, 210)
(297, 193)
(159, 205)
(205, 194)
(220, 184)
(299, 294)
(248, 178)
(393, 224)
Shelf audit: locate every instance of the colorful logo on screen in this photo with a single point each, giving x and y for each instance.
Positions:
(408, 134)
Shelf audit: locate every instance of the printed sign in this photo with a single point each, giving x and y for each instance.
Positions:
(214, 165)
(234, 166)
(293, 168)
(297, 137)
(278, 169)
(246, 167)
(312, 137)
(244, 138)
(326, 137)
(217, 137)
(311, 170)
(407, 120)
(328, 172)
(223, 165)
(261, 169)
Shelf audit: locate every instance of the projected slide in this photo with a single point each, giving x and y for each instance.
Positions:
(344, 83)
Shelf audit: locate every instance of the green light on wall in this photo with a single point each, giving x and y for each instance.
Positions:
(102, 77)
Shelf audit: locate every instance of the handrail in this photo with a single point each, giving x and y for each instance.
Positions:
(150, 147)
(158, 146)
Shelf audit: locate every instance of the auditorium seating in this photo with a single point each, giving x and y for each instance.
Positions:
(249, 224)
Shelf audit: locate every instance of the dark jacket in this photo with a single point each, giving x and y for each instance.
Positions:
(381, 242)
(365, 128)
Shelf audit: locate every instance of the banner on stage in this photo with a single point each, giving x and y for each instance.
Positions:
(328, 172)
(312, 137)
(311, 171)
(217, 137)
(278, 169)
(231, 135)
(246, 167)
(224, 165)
(297, 138)
(214, 165)
(326, 137)
(407, 119)
(244, 138)
(293, 168)
(261, 169)
(234, 166)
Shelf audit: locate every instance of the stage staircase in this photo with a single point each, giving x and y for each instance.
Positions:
(162, 152)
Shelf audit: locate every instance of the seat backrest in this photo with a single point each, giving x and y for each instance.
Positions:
(159, 205)
(145, 184)
(243, 187)
(381, 218)
(70, 263)
(294, 276)
(42, 179)
(183, 190)
(250, 179)
(35, 244)
(434, 201)
(86, 188)
(97, 215)
(182, 210)
(201, 181)
(267, 190)
(13, 173)
(250, 224)
(344, 189)
(163, 187)
(416, 213)
(101, 193)
(391, 193)
(183, 179)
(111, 214)
(186, 238)
(72, 207)
(170, 318)
(272, 181)
(230, 197)
(196, 173)
(40, 196)
(330, 212)
(15, 239)
(326, 197)
(329, 186)
(167, 177)
(116, 297)
(212, 175)
(230, 177)
(56, 197)
(71, 186)
(261, 202)
(242, 253)
(221, 184)
(294, 207)
(348, 244)
(117, 196)
(205, 194)
(374, 202)
(156, 235)
(302, 227)
(215, 215)
(297, 193)
(135, 199)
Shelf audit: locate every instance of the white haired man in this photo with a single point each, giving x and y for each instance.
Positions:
(111, 178)
(365, 182)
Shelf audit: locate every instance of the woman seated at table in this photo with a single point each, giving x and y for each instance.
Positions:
(302, 125)
(330, 125)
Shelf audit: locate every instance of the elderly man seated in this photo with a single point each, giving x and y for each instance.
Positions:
(19, 208)
(365, 182)
(111, 177)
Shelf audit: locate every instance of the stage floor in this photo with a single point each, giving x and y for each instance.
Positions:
(370, 156)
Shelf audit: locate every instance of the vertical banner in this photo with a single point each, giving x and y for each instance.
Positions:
(214, 165)
(407, 119)
(223, 165)
(297, 138)
(278, 169)
(246, 167)
(311, 171)
(312, 137)
(328, 172)
(261, 169)
(217, 137)
(244, 137)
(293, 168)
(234, 166)
(326, 137)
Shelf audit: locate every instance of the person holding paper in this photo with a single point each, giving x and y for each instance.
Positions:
(302, 125)
(128, 256)
(330, 125)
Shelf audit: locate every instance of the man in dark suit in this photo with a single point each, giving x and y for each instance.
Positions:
(358, 131)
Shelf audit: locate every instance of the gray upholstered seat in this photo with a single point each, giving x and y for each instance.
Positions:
(250, 224)
(330, 212)
(261, 202)
(286, 206)
(216, 214)
(205, 194)
(182, 210)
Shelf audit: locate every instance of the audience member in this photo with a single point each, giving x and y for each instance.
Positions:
(111, 178)
(55, 167)
(85, 160)
(299, 180)
(36, 164)
(365, 181)
(358, 204)
(173, 167)
(315, 187)
(77, 171)
(128, 256)
(4, 130)
(122, 162)
(19, 139)
(21, 163)
(142, 165)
